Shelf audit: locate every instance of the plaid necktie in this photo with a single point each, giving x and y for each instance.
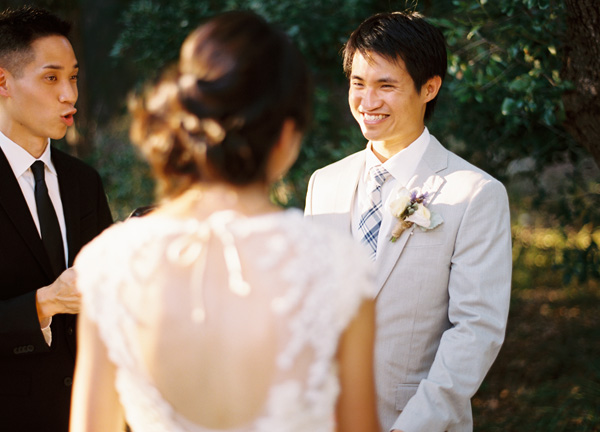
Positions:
(51, 236)
(370, 220)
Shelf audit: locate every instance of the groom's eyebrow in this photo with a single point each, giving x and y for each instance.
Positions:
(388, 80)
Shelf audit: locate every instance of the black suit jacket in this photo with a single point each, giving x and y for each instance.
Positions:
(35, 379)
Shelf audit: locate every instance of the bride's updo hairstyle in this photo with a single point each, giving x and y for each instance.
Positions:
(217, 117)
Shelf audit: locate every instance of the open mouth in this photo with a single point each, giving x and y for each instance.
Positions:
(68, 118)
(374, 117)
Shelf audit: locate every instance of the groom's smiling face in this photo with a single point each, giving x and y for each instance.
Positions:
(384, 101)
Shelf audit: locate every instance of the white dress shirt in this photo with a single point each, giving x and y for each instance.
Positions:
(20, 161)
(402, 167)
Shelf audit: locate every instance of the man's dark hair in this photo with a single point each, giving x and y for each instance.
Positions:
(19, 28)
(404, 35)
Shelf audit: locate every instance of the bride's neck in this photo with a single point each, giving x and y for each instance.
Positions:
(205, 199)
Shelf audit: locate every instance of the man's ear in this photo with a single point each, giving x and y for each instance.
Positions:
(4, 82)
(431, 88)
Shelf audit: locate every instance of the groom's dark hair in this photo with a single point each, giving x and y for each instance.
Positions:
(19, 28)
(406, 36)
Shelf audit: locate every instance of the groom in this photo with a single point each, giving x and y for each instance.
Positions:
(444, 282)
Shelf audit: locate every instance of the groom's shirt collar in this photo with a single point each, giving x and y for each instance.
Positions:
(401, 166)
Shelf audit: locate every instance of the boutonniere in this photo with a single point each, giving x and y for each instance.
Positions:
(411, 208)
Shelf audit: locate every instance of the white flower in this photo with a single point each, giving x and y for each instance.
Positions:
(421, 217)
(398, 205)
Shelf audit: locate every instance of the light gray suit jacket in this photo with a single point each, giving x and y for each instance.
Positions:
(443, 294)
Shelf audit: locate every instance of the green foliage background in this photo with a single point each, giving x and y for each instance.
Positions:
(501, 102)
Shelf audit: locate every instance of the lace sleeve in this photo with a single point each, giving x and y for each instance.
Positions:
(91, 264)
(105, 275)
(352, 274)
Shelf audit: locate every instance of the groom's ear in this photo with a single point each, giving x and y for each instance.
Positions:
(3, 82)
(431, 88)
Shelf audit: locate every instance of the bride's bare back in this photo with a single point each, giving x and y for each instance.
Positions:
(217, 370)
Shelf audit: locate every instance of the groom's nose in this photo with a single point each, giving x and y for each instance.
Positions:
(370, 100)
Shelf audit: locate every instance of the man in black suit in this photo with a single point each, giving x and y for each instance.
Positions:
(60, 195)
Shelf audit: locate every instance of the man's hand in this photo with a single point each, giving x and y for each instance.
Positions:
(59, 297)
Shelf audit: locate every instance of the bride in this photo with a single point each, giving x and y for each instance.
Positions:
(219, 311)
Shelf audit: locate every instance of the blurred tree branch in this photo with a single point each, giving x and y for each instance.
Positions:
(582, 68)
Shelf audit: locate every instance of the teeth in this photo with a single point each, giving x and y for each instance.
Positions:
(370, 117)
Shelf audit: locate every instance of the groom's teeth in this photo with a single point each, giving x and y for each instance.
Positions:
(374, 117)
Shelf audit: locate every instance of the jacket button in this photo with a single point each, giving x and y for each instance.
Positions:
(68, 381)
(24, 349)
(70, 331)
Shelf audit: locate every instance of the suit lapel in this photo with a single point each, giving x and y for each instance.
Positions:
(69, 192)
(332, 195)
(427, 180)
(347, 186)
(15, 206)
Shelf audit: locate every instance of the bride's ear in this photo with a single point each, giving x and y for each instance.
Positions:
(285, 151)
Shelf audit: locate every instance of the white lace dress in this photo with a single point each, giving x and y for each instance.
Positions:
(243, 314)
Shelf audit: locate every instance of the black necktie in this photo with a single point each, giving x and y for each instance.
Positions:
(51, 236)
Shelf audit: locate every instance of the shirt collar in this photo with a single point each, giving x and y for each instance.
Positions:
(20, 160)
(402, 165)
